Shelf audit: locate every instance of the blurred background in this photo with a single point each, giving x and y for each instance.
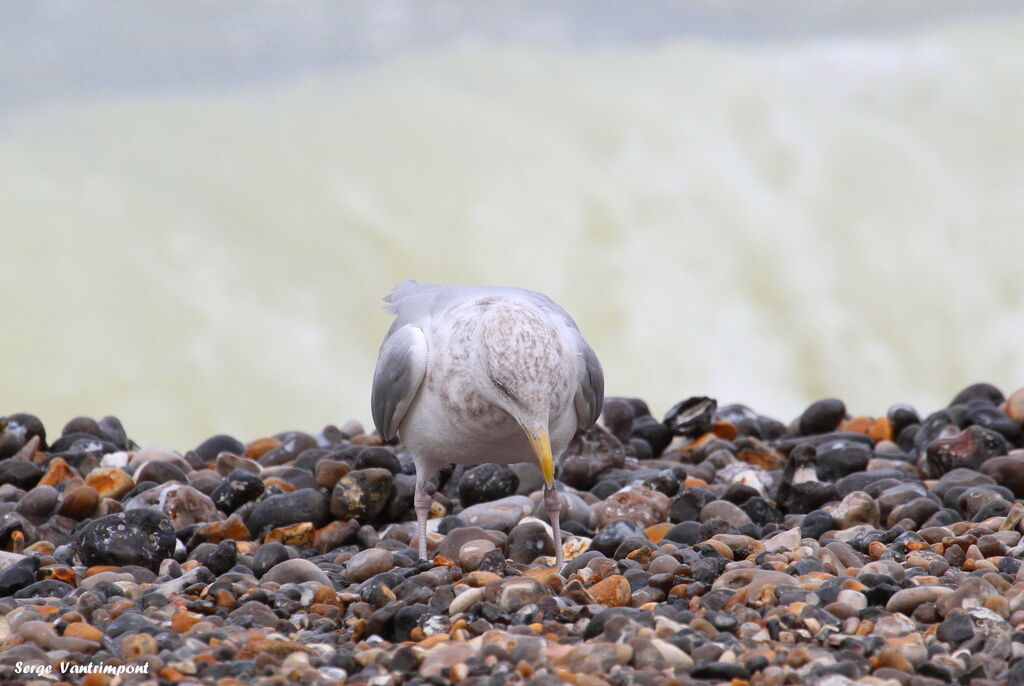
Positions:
(202, 203)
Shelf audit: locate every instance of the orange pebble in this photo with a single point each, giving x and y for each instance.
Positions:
(83, 630)
(260, 447)
(656, 532)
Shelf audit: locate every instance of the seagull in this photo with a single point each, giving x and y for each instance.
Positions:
(476, 374)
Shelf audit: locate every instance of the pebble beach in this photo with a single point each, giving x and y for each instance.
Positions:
(711, 544)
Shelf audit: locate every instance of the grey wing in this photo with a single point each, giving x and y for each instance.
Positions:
(401, 366)
(590, 395)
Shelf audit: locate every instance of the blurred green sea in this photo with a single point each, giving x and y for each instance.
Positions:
(201, 204)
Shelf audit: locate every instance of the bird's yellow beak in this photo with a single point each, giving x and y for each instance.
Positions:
(541, 445)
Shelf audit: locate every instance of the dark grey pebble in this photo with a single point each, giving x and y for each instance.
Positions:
(292, 444)
(815, 523)
(579, 562)
(23, 427)
(529, 540)
(403, 490)
(85, 425)
(719, 671)
(222, 558)
(805, 496)
(266, 556)
(970, 449)
(38, 502)
(487, 482)
(413, 616)
(979, 391)
(971, 500)
(901, 416)
(73, 447)
(160, 472)
(611, 536)
(687, 533)
(617, 416)
(361, 494)
(955, 629)
(213, 446)
(460, 536)
(140, 487)
(302, 505)
(653, 432)
(20, 473)
(689, 503)
(738, 493)
(761, 512)
(257, 612)
(143, 537)
(296, 571)
(238, 488)
(1008, 471)
(18, 575)
(614, 615)
(692, 417)
(299, 478)
(142, 575)
(836, 461)
(131, 623)
(821, 416)
(204, 483)
(48, 588)
(113, 431)
(380, 458)
(589, 457)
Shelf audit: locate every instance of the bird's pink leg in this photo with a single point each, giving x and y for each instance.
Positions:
(421, 503)
(554, 508)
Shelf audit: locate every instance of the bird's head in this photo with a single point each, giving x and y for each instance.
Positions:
(526, 404)
(541, 444)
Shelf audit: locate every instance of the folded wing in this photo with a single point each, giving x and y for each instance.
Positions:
(401, 366)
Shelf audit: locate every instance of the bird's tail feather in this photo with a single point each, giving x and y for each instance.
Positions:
(398, 293)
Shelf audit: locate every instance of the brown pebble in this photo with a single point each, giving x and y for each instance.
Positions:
(171, 674)
(724, 429)
(15, 542)
(136, 645)
(41, 548)
(999, 605)
(110, 482)
(260, 447)
(274, 482)
(893, 658)
(99, 569)
(57, 473)
(1014, 406)
(300, 535)
(325, 595)
(636, 503)
(184, 620)
(79, 503)
(656, 532)
(612, 592)
(335, 534)
(225, 599)
(82, 630)
(328, 472)
(763, 458)
(231, 528)
(119, 607)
